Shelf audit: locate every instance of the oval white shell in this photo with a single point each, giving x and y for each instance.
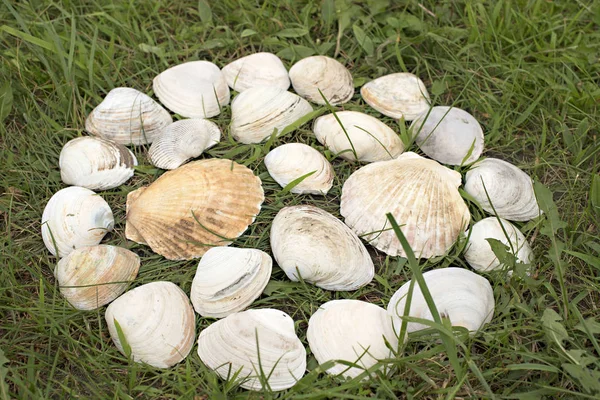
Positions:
(397, 95)
(320, 72)
(259, 69)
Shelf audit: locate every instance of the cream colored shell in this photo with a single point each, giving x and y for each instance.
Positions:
(315, 73)
(258, 69)
(397, 95)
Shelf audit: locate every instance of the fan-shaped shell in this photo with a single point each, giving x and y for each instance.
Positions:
(421, 194)
(127, 116)
(195, 207)
(228, 280)
(259, 69)
(371, 139)
(315, 73)
(326, 253)
(157, 321)
(236, 342)
(183, 140)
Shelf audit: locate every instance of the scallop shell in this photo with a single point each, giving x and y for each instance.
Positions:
(93, 276)
(291, 161)
(127, 116)
(462, 296)
(397, 95)
(510, 189)
(448, 134)
(75, 217)
(195, 207)
(421, 194)
(183, 140)
(315, 73)
(195, 89)
(256, 112)
(253, 341)
(229, 280)
(352, 331)
(157, 321)
(259, 69)
(326, 253)
(372, 139)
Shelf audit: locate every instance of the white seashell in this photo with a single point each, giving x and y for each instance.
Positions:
(509, 188)
(256, 112)
(259, 69)
(195, 89)
(294, 160)
(372, 139)
(228, 280)
(326, 253)
(95, 163)
(397, 95)
(127, 116)
(236, 342)
(447, 134)
(75, 217)
(157, 321)
(421, 194)
(478, 252)
(352, 331)
(462, 296)
(183, 140)
(315, 73)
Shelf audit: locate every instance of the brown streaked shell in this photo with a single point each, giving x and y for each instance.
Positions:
(315, 73)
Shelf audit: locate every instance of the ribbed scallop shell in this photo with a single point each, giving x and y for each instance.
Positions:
(195, 207)
(87, 274)
(421, 194)
(195, 89)
(321, 248)
(259, 69)
(228, 280)
(183, 140)
(75, 217)
(256, 112)
(157, 321)
(127, 116)
(320, 72)
(397, 95)
(235, 342)
(372, 139)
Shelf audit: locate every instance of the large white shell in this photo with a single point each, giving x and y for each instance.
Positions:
(509, 188)
(75, 217)
(235, 343)
(195, 89)
(157, 321)
(421, 194)
(397, 95)
(464, 297)
(127, 116)
(228, 280)
(352, 331)
(294, 160)
(315, 73)
(259, 69)
(447, 134)
(183, 140)
(321, 248)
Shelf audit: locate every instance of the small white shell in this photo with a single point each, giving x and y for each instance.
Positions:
(259, 69)
(320, 72)
(397, 95)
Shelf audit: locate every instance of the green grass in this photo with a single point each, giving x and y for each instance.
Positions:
(529, 71)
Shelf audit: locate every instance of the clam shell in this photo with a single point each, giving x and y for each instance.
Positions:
(259, 69)
(157, 321)
(315, 73)
(397, 95)
(183, 140)
(197, 206)
(75, 217)
(326, 253)
(93, 276)
(421, 194)
(127, 116)
(372, 139)
(236, 342)
(195, 89)
(229, 280)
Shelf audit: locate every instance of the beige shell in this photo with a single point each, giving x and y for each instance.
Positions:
(397, 95)
(93, 276)
(195, 207)
(421, 194)
(315, 73)
(127, 116)
(259, 69)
